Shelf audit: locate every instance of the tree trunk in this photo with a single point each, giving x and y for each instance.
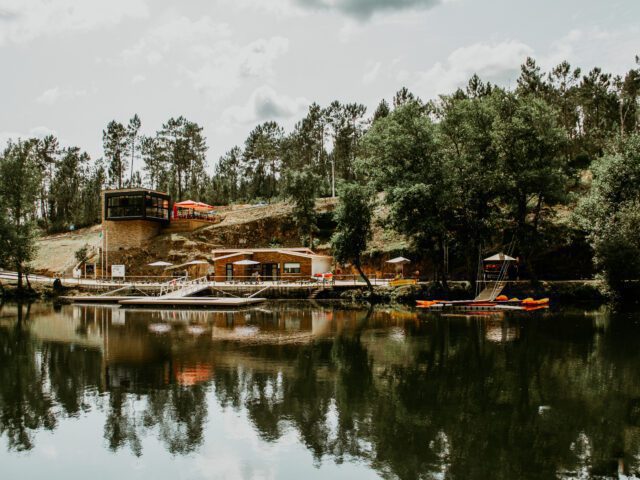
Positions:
(356, 264)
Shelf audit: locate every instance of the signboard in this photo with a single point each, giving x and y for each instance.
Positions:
(117, 271)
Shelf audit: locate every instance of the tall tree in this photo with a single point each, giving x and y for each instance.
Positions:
(262, 160)
(68, 187)
(610, 214)
(353, 226)
(133, 141)
(529, 144)
(346, 126)
(114, 141)
(20, 178)
(183, 148)
(466, 126)
(402, 156)
(226, 177)
(47, 154)
(301, 189)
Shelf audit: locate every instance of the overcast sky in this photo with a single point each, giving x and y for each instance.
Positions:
(68, 67)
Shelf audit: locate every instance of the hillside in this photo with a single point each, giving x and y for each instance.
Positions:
(241, 226)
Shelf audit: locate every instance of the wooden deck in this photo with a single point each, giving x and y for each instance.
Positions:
(98, 298)
(214, 302)
(188, 302)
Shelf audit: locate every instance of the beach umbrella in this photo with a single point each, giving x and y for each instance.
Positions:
(160, 264)
(194, 205)
(246, 262)
(399, 261)
(196, 262)
(500, 257)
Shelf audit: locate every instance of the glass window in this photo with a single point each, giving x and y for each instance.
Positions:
(291, 268)
(137, 205)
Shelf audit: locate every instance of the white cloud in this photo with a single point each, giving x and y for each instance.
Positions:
(54, 94)
(358, 9)
(224, 66)
(372, 74)
(35, 132)
(203, 52)
(139, 78)
(266, 104)
(173, 35)
(614, 49)
(25, 20)
(498, 62)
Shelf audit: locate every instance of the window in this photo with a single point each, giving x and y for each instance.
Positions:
(156, 207)
(131, 205)
(124, 206)
(291, 268)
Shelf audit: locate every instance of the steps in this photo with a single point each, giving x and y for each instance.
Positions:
(183, 288)
(491, 291)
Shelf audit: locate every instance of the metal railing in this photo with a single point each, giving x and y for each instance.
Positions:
(183, 287)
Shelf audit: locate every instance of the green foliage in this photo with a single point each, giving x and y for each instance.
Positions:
(181, 159)
(402, 155)
(353, 226)
(20, 180)
(301, 188)
(611, 213)
(114, 140)
(81, 253)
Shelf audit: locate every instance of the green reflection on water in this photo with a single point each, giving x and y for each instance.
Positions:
(323, 388)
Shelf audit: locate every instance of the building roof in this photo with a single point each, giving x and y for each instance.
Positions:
(255, 250)
(295, 252)
(132, 190)
(231, 255)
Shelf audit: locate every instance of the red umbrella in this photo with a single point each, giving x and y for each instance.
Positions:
(194, 205)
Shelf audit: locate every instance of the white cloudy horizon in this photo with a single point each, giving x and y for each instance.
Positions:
(71, 66)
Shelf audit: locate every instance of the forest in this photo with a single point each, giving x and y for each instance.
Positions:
(554, 161)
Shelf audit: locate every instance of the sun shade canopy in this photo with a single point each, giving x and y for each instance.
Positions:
(500, 257)
(196, 262)
(160, 264)
(246, 262)
(399, 260)
(193, 205)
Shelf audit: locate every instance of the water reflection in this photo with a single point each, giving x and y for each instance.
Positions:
(401, 394)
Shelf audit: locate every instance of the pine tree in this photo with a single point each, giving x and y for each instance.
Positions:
(114, 141)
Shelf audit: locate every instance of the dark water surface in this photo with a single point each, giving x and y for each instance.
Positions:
(316, 390)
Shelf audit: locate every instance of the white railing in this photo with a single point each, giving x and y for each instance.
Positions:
(183, 288)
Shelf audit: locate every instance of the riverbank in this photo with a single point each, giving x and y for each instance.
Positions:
(587, 293)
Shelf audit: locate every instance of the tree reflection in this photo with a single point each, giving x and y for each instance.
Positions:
(25, 402)
(437, 398)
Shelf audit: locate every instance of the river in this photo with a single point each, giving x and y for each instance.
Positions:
(307, 390)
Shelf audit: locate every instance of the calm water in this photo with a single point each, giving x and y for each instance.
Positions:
(301, 390)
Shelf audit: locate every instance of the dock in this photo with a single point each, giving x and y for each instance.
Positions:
(191, 302)
(173, 294)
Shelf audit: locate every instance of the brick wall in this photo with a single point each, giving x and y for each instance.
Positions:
(125, 234)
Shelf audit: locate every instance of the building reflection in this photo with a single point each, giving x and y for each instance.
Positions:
(409, 394)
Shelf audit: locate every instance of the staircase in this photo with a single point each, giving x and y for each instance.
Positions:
(491, 291)
(183, 288)
(316, 291)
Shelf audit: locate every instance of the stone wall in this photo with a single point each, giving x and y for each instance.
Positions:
(125, 234)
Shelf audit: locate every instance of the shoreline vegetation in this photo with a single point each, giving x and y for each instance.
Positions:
(573, 293)
(550, 167)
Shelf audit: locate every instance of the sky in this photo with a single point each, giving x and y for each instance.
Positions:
(71, 66)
